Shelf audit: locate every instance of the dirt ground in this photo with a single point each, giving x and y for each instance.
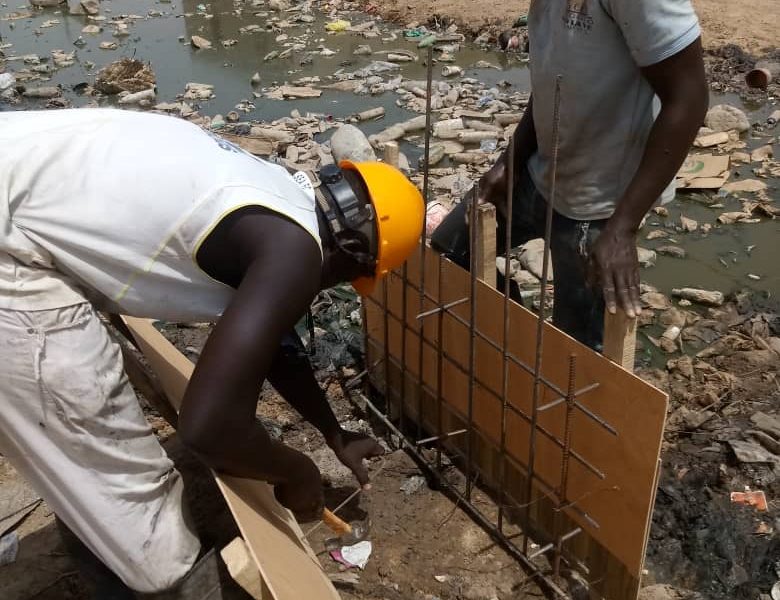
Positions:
(749, 25)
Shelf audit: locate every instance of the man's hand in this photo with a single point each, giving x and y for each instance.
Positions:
(302, 492)
(351, 448)
(615, 267)
(492, 187)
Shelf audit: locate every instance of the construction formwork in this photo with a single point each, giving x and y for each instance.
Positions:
(566, 441)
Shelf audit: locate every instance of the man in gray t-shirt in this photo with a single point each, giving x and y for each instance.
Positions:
(616, 153)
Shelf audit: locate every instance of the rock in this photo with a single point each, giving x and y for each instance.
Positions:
(740, 157)
(674, 251)
(699, 296)
(646, 257)
(255, 80)
(766, 423)
(46, 3)
(656, 234)
(91, 7)
(7, 81)
(684, 365)
(108, 45)
(661, 211)
(725, 117)
(350, 143)
(761, 154)
(729, 218)
(744, 185)
(125, 75)
(451, 70)
(688, 225)
(532, 259)
(42, 92)
(363, 50)
(200, 43)
(525, 280)
(767, 441)
(667, 592)
(142, 97)
(751, 452)
(91, 29)
(713, 139)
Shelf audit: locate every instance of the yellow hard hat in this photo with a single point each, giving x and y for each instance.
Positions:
(399, 209)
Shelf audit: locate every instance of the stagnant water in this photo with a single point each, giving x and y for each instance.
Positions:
(720, 260)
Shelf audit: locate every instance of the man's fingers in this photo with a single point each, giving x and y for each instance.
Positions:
(608, 289)
(634, 291)
(624, 294)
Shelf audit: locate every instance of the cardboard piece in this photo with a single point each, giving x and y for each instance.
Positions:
(612, 506)
(289, 567)
(703, 172)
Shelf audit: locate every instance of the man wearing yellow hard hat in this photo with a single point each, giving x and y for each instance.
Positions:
(151, 216)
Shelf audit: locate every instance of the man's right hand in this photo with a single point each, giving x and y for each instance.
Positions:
(493, 187)
(302, 492)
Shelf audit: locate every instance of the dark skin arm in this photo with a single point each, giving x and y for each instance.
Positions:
(292, 376)
(680, 83)
(280, 266)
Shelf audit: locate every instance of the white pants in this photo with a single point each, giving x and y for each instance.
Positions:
(71, 425)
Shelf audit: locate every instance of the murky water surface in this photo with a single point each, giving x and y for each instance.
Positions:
(722, 259)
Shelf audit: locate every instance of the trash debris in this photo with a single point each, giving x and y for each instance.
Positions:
(125, 75)
(413, 485)
(745, 185)
(200, 42)
(144, 97)
(532, 259)
(699, 296)
(761, 154)
(42, 92)
(688, 225)
(255, 79)
(198, 91)
(337, 26)
(673, 251)
(762, 74)
(108, 45)
(91, 29)
(711, 139)
(451, 70)
(357, 555)
(91, 7)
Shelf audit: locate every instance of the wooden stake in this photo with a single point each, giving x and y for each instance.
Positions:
(486, 244)
(620, 339)
(391, 154)
(243, 569)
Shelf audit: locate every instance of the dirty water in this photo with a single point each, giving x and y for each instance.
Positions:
(728, 258)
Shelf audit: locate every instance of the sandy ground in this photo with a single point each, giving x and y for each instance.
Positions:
(751, 25)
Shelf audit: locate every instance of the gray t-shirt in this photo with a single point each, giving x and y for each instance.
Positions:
(606, 111)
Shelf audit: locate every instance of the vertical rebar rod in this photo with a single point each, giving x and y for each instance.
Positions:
(566, 454)
(474, 255)
(439, 370)
(541, 317)
(423, 244)
(404, 310)
(386, 349)
(510, 185)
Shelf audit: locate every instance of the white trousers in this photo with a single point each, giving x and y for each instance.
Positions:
(71, 424)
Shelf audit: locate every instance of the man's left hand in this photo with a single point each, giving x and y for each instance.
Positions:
(614, 266)
(351, 449)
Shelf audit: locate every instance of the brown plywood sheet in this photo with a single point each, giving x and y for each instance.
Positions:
(286, 562)
(618, 498)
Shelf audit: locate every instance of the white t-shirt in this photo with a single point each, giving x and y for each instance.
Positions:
(113, 205)
(606, 110)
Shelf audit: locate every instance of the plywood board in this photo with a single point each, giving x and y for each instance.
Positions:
(286, 562)
(617, 498)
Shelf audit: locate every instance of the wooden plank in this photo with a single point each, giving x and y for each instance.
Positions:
(486, 244)
(620, 339)
(620, 503)
(275, 541)
(243, 570)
